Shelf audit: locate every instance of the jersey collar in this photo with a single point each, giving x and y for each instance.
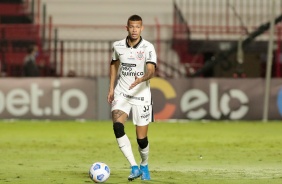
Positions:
(136, 45)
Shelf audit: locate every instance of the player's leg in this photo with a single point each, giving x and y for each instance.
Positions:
(121, 137)
(143, 149)
(142, 116)
(120, 112)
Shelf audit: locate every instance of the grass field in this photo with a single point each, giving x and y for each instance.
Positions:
(58, 152)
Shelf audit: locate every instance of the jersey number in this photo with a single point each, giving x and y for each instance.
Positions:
(146, 108)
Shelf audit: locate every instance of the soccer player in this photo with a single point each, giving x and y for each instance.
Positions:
(133, 65)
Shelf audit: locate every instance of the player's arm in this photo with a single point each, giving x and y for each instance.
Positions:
(150, 73)
(113, 75)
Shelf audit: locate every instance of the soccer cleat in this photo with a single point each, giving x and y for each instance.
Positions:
(145, 172)
(135, 173)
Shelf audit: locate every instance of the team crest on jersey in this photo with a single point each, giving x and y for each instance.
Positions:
(140, 55)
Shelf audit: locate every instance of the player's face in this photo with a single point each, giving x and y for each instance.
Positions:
(134, 29)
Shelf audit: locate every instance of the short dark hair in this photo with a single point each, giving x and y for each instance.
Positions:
(134, 18)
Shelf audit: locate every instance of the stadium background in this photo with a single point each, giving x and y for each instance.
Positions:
(212, 57)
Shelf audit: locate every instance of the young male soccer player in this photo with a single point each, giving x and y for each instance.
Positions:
(134, 61)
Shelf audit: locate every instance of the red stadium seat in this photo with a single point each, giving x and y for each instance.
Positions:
(20, 32)
(13, 58)
(12, 9)
(14, 63)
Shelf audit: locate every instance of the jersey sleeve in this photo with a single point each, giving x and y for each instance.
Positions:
(114, 53)
(151, 56)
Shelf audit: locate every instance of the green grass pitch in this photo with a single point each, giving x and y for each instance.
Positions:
(61, 152)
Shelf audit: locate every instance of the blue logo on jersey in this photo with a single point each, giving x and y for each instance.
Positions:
(279, 101)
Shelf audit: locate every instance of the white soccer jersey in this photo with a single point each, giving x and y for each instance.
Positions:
(133, 62)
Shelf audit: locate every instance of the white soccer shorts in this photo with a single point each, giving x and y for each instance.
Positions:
(141, 114)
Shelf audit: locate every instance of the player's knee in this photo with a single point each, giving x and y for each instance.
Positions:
(143, 143)
(118, 129)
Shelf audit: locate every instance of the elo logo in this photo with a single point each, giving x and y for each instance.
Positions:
(279, 101)
(198, 103)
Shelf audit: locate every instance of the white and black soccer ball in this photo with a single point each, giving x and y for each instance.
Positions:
(99, 172)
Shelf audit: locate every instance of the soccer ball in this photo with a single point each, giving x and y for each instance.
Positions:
(99, 172)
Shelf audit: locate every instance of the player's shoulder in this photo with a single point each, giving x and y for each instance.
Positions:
(120, 43)
(146, 44)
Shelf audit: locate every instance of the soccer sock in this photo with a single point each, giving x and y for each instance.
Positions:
(125, 147)
(144, 153)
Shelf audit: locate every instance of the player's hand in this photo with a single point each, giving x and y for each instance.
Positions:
(135, 83)
(110, 97)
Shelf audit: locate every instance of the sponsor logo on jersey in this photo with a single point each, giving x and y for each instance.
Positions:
(120, 44)
(129, 73)
(133, 97)
(131, 58)
(150, 56)
(145, 116)
(127, 70)
(143, 46)
(128, 64)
